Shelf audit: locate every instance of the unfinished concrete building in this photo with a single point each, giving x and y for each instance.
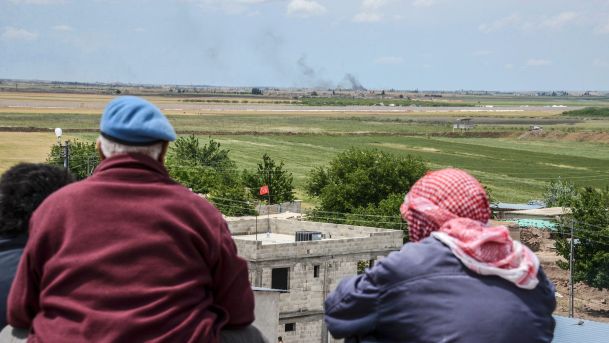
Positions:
(307, 260)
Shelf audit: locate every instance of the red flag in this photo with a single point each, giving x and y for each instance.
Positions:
(264, 190)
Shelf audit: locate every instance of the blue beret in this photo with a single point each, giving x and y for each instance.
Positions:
(134, 121)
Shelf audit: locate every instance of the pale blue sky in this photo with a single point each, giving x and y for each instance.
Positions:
(402, 44)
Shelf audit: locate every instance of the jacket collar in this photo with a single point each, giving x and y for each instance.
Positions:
(131, 166)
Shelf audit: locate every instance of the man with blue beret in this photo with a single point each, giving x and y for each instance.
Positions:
(128, 255)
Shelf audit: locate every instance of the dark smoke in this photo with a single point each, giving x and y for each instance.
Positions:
(269, 45)
(304, 68)
(352, 83)
(311, 77)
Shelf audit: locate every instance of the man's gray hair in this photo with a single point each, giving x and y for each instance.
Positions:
(110, 148)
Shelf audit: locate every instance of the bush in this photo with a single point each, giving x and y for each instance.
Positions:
(360, 178)
(364, 187)
(590, 217)
(188, 151)
(589, 112)
(83, 158)
(385, 214)
(208, 169)
(559, 193)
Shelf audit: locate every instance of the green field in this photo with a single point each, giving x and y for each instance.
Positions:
(500, 151)
(305, 123)
(590, 112)
(515, 171)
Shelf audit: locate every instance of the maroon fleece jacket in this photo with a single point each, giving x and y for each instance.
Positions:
(128, 255)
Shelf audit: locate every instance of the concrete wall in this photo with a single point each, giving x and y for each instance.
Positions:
(306, 292)
(341, 239)
(294, 206)
(267, 313)
(255, 251)
(307, 329)
(249, 226)
(337, 257)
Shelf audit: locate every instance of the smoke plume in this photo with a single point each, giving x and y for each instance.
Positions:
(351, 82)
(309, 76)
(304, 68)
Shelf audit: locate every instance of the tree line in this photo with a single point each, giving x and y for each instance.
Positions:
(359, 187)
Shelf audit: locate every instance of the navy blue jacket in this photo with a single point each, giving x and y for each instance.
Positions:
(423, 293)
(10, 252)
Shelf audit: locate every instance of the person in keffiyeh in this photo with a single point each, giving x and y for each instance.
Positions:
(459, 279)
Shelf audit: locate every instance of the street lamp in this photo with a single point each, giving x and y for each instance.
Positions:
(65, 148)
(58, 133)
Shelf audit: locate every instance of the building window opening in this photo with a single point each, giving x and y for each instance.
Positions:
(361, 266)
(290, 327)
(279, 278)
(316, 271)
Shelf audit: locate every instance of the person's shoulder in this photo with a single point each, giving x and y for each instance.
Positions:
(194, 200)
(545, 285)
(428, 256)
(187, 194)
(68, 193)
(426, 249)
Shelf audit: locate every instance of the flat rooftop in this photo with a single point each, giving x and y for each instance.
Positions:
(270, 238)
(254, 244)
(278, 238)
(543, 212)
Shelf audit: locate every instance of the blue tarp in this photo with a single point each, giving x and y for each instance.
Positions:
(574, 330)
(504, 206)
(536, 223)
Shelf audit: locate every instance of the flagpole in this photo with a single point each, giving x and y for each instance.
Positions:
(268, 209)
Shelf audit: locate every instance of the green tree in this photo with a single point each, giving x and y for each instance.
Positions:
(272, 175)
(83, 157)
(590, 219)
(360, 178)
(208, 169)
(559, 193)
(364, 187)
(232, 200)
(188, 150)
(385, 214)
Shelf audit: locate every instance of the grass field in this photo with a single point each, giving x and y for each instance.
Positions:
(304, 122)
(515, 166)
(18, 147)
(514, 170)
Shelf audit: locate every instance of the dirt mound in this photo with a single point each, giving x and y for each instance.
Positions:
(531, 239)
(598, 137)
(594, 137)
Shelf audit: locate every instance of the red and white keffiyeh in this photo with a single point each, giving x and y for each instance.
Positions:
(452, 206)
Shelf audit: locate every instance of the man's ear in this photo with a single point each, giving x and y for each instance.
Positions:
(99, 150)
(163, 152)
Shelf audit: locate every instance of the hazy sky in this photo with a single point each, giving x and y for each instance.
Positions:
(402, 44)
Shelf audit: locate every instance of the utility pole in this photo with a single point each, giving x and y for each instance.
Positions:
(571, 295)
(66, 154)
(65, 148)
